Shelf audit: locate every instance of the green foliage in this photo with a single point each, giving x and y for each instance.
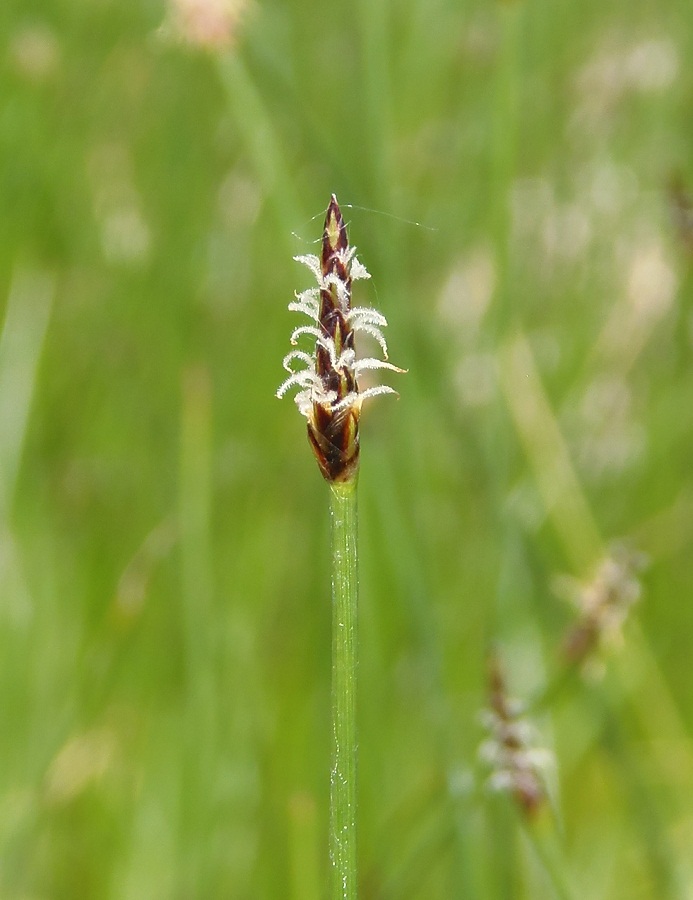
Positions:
(164, 566)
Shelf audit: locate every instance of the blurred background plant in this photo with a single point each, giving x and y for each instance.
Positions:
(164, 613)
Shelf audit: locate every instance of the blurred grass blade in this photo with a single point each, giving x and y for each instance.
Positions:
(263, 145)
(548, 454)
(304, 847)
(195, 505)
(24, 329)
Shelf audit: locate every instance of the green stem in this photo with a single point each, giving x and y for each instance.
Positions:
(344, 657)
(545, 840)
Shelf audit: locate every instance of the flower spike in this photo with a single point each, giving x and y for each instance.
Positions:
(517, 762)
(329, 395)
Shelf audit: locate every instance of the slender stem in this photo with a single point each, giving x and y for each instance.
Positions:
(197, 594)
(545, 840)
(344, 658)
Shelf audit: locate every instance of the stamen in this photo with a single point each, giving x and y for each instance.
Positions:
(346, 360)
(358, 270)
(372, 363)
(313, 264)
(307, 358)
(351, 399)
(376, 391)
(304, 379)
(306, 302)
(365, 314)
(374, 332)
(305, 329)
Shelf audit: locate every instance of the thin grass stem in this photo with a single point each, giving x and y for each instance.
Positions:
(344, 548)
(543, 837)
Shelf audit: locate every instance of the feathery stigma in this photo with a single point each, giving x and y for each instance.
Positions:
(329, 395)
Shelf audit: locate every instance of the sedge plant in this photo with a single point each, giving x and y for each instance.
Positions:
(329, 397)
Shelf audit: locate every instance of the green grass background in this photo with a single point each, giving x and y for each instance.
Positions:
(164, 584)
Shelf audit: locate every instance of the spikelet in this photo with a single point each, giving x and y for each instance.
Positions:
(329, 395)
(603, 605)
(511, 752)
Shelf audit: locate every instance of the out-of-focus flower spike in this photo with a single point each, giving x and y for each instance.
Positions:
(603, 605)
(510, 750)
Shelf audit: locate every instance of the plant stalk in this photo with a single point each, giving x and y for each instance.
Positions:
(344, 549)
